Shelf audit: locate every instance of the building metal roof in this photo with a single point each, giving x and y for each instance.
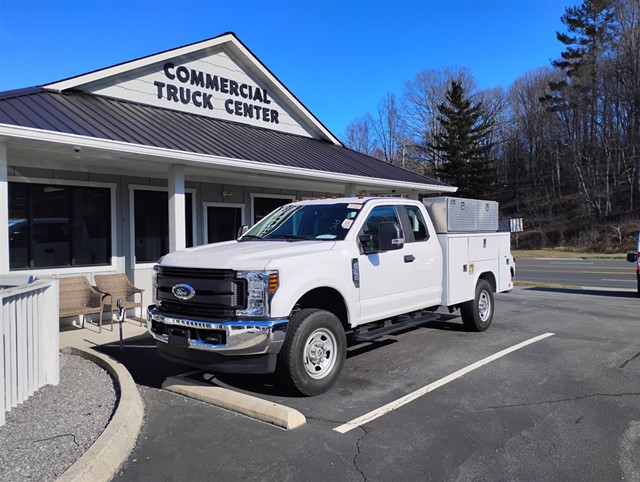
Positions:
(99, 117)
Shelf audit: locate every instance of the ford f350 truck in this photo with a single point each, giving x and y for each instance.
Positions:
(291, 292)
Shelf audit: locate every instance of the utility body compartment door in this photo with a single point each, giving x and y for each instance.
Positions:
(467, 256)
(459, 279)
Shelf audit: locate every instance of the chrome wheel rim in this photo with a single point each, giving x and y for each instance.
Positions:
(484, 306)
(320, 353)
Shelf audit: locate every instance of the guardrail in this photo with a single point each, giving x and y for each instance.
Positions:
(29, 339)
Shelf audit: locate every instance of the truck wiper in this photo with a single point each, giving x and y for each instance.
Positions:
(248, 237)
(293, 237)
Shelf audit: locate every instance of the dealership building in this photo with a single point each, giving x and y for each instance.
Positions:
(107, 171)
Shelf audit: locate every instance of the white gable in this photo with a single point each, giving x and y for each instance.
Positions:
(219, 78)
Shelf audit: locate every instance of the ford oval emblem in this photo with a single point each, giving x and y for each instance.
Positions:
(183, 291)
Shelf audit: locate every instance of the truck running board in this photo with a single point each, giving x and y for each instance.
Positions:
(390, 327)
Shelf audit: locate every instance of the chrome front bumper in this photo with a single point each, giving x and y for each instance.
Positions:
(240, 337)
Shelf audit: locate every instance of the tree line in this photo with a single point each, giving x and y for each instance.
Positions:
(560, 147)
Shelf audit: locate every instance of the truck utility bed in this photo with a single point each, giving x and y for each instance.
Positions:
(467, 253)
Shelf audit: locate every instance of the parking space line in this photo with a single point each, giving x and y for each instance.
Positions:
(117, 345)
(389, 407)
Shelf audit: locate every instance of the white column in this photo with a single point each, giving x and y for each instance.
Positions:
(177, 222)
(350, 190)
(413, 195)
(4, 210)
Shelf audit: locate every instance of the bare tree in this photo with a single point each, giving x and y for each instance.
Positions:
(387, 128)
(563, 142)
(360, 135)
(627, 74)
(577, 98)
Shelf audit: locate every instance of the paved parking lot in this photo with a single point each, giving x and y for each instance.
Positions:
(563, 407)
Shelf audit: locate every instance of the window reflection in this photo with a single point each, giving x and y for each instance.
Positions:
(151, 211)
(57, 226)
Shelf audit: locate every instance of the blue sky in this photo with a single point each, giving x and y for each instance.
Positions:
(339, 57)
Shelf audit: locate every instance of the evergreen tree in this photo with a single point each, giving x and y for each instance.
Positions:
(580, 99)
(462, 144)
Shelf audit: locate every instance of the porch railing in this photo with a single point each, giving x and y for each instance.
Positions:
(29, 339)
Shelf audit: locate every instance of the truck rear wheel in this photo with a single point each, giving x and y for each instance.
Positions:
(313, 352)
(477, 313)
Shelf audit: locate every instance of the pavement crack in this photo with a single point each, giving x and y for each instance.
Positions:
(358, 452)
(561, 400)
(59, 436)
(630, 360)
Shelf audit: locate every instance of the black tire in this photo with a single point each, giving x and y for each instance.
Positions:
(477, 313)
(313, 352)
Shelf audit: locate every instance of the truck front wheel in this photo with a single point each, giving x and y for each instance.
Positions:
(313, 352)
(477, 313)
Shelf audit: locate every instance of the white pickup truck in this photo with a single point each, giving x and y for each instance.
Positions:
(292, 292)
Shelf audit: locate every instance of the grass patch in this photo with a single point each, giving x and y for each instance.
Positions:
(563, 253)
(537, 284)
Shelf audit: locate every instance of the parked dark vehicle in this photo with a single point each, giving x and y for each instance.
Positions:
(635, 258)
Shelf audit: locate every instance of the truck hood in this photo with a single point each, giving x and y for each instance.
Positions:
(243, 255)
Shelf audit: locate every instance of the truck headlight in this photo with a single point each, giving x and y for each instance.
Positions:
(261, 286)
(157, 270)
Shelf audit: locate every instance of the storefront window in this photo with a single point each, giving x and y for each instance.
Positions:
(264, 205)
(152, 224)
(53, 225)
(223, 223)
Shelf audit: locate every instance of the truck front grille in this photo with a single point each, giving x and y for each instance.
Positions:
(197, 310)
(218, 293)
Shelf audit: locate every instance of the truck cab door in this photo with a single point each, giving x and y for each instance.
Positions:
(387, 277)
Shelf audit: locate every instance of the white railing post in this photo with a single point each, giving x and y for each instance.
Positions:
(29, 341)
(50, 359)
(4, 310)
(4, 209)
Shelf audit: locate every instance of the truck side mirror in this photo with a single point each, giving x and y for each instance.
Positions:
(632, 257)
(242, 230)
(390, 236)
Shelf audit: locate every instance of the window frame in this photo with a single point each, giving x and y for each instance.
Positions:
(94, 268)
(205, 215)
(399, 216)
(409, 235)
(132, 222)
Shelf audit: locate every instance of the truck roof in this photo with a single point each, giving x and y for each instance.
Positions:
(356, 200)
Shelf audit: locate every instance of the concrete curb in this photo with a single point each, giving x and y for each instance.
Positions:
(112, 448)
(257, 408)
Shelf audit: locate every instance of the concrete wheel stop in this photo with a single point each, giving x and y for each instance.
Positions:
(266, 411)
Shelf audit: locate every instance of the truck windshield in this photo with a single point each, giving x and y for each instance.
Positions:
(294, 222)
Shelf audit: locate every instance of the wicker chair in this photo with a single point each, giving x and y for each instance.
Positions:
(79, 298)
(118, 287)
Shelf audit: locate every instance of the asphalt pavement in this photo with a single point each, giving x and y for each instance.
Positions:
(602, 273)
(564, 407)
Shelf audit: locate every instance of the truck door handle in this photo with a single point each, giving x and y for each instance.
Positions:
(409, 258)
